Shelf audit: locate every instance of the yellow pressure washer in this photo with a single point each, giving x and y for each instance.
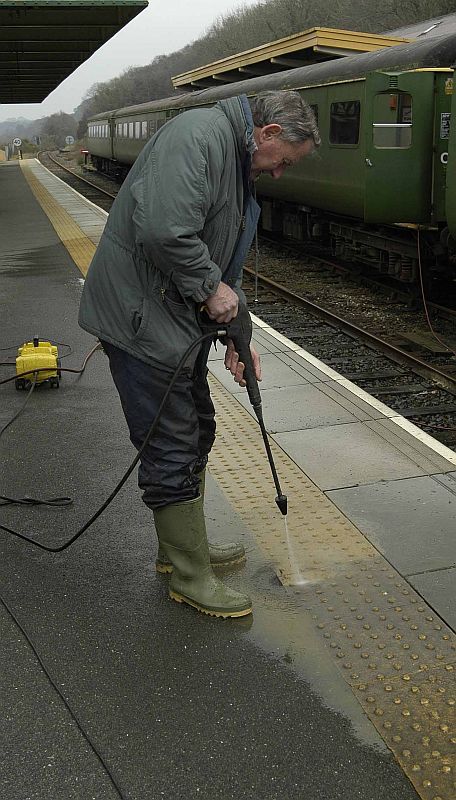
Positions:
(34, 356)
(38, 355)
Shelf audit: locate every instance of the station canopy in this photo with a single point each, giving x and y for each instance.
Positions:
(299, 50)
(41, 43)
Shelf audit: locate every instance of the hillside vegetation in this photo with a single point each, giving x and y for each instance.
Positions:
(241, 29)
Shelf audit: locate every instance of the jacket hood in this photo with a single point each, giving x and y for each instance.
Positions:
(237, 110)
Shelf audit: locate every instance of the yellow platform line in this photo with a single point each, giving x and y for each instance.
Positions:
(79, 246)
(394, 652)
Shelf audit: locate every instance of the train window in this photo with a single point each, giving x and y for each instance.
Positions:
(344, 124)
(315, 112)
(143, 130)
(125, 130)
(137, 129)
(392, 120)
(131, 132)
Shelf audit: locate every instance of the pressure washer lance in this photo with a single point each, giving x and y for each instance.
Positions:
(239, 330)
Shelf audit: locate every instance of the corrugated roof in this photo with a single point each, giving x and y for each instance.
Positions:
(308, 47)
(41, 43)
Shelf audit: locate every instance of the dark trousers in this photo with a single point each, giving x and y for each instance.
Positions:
(186, 431)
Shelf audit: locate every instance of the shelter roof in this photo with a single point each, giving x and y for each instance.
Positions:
(308, 47)
(41, 43)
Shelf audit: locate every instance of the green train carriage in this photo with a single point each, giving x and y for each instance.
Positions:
(379, 176)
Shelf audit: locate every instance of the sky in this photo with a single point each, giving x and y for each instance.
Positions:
(163, 27)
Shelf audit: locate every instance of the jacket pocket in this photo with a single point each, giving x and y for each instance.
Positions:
(137, 319)
(167, 330)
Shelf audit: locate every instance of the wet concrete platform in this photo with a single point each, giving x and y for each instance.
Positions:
(109, 689)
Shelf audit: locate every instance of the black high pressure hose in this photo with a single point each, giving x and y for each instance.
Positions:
(130, 469)
(240, 331)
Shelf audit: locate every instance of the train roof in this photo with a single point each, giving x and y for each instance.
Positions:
(437, 51)
(429, 28)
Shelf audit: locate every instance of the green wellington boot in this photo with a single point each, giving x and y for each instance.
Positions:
(220, 555)
(181, 531)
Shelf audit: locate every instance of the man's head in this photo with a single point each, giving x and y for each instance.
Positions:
(285, 131)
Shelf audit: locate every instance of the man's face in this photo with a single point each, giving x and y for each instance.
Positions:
(274, 154)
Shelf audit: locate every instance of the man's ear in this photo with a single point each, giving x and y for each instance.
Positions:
(270, 131)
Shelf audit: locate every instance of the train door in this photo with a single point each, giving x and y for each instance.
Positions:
(112, 134)
(448, 158)
(399, 141)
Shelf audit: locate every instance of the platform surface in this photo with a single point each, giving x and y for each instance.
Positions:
(341, 684)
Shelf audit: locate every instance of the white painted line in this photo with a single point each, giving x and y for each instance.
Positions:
(328, 371)
(258, 322)
(280, 338)
(88, 202)
(388, 412)
(425, 438)
(367, 398)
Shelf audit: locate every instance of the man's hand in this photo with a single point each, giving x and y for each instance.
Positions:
(222, 306)
(236, 367)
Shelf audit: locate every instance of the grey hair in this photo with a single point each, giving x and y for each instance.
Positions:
(288, 109)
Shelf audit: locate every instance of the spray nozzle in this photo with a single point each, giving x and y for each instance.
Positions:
(282, 502)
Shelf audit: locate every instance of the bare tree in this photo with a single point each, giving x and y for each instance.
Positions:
(248, 27)
(58, 126)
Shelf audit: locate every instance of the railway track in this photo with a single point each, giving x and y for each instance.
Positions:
(94, 189)
(407, 382)
(381, 344)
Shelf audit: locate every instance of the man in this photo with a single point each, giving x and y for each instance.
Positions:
(175, 239)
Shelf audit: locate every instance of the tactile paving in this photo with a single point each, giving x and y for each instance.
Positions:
(79, 246)
(397, 655)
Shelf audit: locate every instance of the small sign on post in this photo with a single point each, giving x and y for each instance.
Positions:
(69, 139)
(17, 144)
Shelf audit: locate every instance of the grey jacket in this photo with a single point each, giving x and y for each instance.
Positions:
(172, 234)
